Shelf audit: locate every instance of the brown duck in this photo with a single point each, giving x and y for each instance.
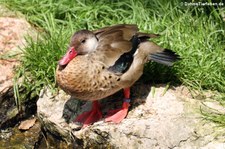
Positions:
(100, 63)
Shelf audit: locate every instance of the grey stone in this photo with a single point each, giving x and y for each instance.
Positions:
(170, 120)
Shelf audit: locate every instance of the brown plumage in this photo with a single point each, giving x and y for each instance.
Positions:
(107, 60)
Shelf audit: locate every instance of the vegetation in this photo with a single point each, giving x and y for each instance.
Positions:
(196, 33)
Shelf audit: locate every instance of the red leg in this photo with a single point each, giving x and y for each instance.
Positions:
(90, 117)
(118, 115)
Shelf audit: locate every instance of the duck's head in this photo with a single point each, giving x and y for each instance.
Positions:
(82, 42)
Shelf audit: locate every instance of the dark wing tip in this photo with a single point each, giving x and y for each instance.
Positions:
(166, 57)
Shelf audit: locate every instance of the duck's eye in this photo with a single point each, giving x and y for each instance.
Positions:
(83, 41)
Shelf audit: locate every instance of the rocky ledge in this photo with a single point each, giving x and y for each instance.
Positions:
(161, 118)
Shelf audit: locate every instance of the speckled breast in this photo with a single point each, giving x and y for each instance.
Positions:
(87, 80)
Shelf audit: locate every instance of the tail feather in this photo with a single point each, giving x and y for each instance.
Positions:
(166, 57)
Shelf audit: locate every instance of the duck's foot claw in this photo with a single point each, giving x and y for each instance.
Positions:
(117, 115)
(90, 117)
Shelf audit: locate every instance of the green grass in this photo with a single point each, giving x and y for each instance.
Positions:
(195, 33)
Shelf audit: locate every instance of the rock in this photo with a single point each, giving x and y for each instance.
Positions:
(12, 39)
(13, 33)
(170, 120)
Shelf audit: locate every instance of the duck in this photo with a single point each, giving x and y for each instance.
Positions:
(101, 62)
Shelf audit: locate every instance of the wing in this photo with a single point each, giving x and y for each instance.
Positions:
(115, 40)
(125, 60)
(128, 31)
